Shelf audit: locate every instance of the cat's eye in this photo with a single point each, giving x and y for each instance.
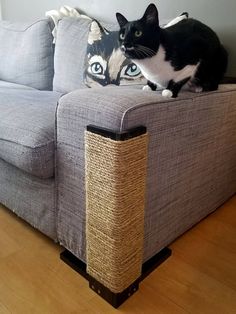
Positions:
(138, 33)
(96, 68)
(132, 70)
(122, 36)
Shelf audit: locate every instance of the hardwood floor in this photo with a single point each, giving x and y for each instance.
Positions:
(200, 277)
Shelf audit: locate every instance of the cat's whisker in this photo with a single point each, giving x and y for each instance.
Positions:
(144, 52)
(138, 53)
(138, 50)
(147, 49)
(147, 53)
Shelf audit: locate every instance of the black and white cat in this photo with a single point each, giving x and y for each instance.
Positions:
(186, 53)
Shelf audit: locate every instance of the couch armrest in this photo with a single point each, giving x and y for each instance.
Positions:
(105, 107)
(186, 141)
(113, 108)
(116, 108)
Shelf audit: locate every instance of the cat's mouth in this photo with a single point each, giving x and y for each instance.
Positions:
(137, 52)
(124, 48)
(129, 52)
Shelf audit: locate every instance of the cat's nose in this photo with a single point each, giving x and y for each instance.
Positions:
(122, 48)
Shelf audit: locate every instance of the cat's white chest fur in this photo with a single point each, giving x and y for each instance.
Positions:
(159, 71)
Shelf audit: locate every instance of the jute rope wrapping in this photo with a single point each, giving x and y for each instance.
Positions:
(115, 197)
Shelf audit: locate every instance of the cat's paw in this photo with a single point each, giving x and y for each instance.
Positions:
(167, 93)
(195, 89)
(147, 88)
(198, 89)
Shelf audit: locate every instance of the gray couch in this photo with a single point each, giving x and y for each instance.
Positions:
(44, 111)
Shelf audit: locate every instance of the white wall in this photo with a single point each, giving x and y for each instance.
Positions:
(0, 10)
(218, 14)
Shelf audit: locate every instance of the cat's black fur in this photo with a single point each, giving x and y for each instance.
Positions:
(188, 42)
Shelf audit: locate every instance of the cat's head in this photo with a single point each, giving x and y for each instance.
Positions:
(140, 39)
(105, 62)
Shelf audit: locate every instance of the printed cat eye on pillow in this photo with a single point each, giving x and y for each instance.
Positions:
(105, 63)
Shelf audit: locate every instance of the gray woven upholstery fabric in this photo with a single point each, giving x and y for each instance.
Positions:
(191, 157)
(7, 85)
(26, 53)
(31, 198)
(70, 50)
(27, 126)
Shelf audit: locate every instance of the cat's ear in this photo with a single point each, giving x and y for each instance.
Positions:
(95, 32)
(121, 19)
(151, 15)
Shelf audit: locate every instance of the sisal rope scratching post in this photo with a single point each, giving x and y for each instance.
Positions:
(115, 198)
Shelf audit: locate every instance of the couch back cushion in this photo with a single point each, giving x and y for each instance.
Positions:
(70, 51)
(26, 53)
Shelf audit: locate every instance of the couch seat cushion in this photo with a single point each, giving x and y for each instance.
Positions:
(27, 128)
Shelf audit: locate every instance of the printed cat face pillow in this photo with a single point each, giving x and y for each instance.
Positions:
(105, 63)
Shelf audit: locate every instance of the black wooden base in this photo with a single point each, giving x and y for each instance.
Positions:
(115, 299)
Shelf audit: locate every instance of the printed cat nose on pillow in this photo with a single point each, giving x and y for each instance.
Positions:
(186, 52)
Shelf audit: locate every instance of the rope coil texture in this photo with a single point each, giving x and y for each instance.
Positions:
(115, 199)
